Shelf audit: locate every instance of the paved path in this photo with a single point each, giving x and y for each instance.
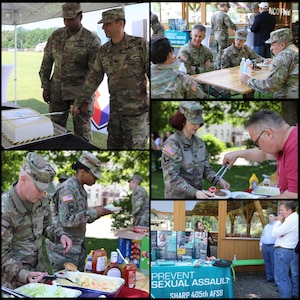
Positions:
(101, 228)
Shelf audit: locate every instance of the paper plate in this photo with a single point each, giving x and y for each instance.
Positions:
(262, 65)
(228, 193)
(113, 208)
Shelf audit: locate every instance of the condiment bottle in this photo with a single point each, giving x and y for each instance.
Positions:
(88, 262)
(99, 261)
(113, 269)
(130, 274)
(253, 181)
(266, 181)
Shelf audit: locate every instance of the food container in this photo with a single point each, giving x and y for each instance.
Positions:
(42, 290)
(93, 285)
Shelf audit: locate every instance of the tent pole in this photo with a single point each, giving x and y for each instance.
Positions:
(15, 58)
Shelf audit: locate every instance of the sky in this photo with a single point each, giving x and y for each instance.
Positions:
(133, 12)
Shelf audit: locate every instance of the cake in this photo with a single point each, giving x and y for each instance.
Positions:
(24, 125)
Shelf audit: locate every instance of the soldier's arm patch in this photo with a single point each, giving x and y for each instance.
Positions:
(3, 229)
(169, 150)
(67, 198)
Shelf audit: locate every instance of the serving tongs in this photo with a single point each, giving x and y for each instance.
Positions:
(13, 293)
(58, 276)
(224, 168)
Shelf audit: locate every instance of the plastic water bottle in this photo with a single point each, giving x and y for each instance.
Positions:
(248, 66)
(234, 257)
(266, 181)
(182, 68)
(242, 65)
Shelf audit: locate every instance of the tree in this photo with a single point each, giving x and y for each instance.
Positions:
(117, 166)
(217, 112)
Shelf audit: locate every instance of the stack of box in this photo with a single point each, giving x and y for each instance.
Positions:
(134, 244)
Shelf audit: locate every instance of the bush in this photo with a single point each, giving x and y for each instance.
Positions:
(214, 146)
(229, 144)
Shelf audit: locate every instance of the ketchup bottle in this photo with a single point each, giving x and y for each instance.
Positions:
(130, 274)
(99, 261)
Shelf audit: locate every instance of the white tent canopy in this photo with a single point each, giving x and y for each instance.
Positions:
(24, 13)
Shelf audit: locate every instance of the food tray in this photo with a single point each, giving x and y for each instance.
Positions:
(266, 191)
(47, 291)
(102, 285)
(58, 131)
(243, 195)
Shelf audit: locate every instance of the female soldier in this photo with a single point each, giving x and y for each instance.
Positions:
(185, 158)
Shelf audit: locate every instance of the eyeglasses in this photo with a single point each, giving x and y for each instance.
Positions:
(256, 141)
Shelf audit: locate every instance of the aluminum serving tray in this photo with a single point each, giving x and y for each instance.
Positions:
(58, 131)
(93, 293)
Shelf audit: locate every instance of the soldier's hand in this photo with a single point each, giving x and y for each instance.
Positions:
(66, 242)
(101, 211)
(202, 195)
(46, 95)
(75, 111)
(36, 276)
(84, 107)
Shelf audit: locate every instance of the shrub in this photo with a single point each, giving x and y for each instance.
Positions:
(214, 146)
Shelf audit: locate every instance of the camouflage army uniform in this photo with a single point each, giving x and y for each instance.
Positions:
(22, 237)
(73, 58)
(194, 58)
(184, 163)
(232, 56)
(140, 207)
(126, 65)
(220, 22)
(283, 76)
(71, 210)
(168, 83)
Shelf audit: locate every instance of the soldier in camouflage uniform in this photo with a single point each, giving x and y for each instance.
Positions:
(71, 50)
(125, 60)
(166, 82)
(220, 22)
(282, 78)
(198, 58)
(71, 210)
(139, 201)
(25, 218)
(233, 54)
(158, 30)
(185, 161)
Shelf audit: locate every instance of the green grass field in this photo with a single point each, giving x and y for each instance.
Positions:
(29, 91)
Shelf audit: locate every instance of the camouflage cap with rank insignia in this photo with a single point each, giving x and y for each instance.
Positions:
(192, 111)
(241, 34)
(91, 161)
(283, 34)
(70, 10)
(41, 172)
(112, 15)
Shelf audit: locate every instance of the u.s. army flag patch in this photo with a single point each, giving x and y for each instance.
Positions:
(169, 150)
(67, 198)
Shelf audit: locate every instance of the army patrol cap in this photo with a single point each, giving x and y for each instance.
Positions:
(224, 4)
(241, 34)
(254, 5)
(280, 35)
(192, 111)
(41, 172)
(70, 10)
(112, 15)
(137, 178)
(91, 161)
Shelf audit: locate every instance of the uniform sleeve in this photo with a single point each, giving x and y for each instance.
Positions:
(171, 162)
(138, 201)
(185, 57)
(92, 82)
(228, 22)
(191, 88)
(275, 79)
(46, 66)
(72, 212)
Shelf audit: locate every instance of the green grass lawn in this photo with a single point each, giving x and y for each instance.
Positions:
(237, 176)
(91, 244)
(29, 91)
